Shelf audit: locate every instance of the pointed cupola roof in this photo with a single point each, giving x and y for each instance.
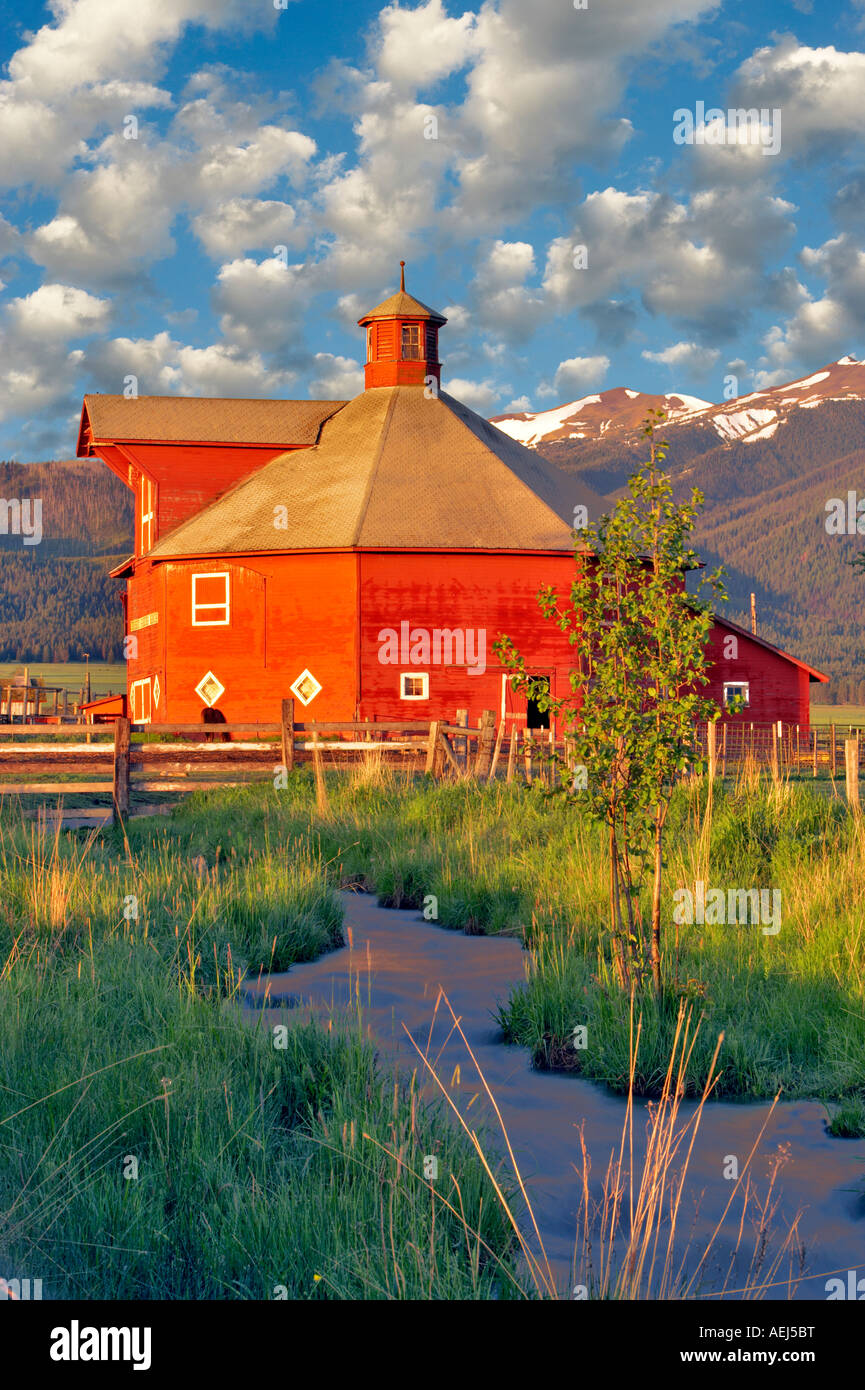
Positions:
(402, 305)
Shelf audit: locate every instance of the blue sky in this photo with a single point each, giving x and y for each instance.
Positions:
(205, 194)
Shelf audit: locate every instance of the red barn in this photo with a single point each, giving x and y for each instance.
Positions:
(362, 555)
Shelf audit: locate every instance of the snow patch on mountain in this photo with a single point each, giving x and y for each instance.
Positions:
(735, 424)
(764, 433)
(690, 404)
(528, 429)
(812, 380)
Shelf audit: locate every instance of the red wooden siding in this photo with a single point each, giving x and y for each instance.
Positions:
(188, 476)
(324, 613)
(779, 689)
(493, 593)
(287, 614)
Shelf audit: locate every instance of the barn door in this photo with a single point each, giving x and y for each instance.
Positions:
(141, 701)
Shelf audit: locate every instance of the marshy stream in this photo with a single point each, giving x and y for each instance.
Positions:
(394, 969)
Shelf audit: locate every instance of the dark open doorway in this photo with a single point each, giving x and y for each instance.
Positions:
(214, 716)
(537, 718)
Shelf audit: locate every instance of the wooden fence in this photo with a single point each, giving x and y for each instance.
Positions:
(39, 761)
(76, 760)
(787, 748)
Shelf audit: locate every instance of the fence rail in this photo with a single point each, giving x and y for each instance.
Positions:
(202, 757)
(816, 751)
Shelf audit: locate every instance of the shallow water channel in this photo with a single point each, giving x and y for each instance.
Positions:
(394, 968)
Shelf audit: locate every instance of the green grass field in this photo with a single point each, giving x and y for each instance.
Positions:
(838, 714)
(103, 677)
(499, 858)
(259, 1169)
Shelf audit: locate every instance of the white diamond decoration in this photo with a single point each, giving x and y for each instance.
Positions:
(306, 687)
(209, 689)
(156, 692)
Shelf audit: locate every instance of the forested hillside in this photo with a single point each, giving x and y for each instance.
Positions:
(56, 598)
(765, 520)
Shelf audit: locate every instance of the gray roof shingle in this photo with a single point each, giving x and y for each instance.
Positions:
(196, 419)
(394, 469)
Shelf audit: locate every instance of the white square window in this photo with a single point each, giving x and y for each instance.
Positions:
(737, 690)
(411, 342)
(413, 686)
(210, 600)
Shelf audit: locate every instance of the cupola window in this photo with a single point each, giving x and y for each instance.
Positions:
(411, 342)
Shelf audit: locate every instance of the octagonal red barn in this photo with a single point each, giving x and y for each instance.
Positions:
(360, 555)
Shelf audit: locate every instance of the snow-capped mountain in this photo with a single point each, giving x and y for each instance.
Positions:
(767, 464)
(593, 416)
(748, 418)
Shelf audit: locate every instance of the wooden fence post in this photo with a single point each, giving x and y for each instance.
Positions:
(497, 751)
(121, 767)
(527, 756)
(321, 801)
(834, 758)
(447, 754)
(724, 751)
(816, 749)
(486, 735)
(512, 752)
(461, 745)
(432, 747)
(712, 748)
(851, 768)
(287, 722)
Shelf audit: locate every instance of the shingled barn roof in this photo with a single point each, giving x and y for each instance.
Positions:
(194, 419)
(394, 469)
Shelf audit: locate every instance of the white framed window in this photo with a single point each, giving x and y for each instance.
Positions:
(738, 691)
(411, 342)
(210, 600)
(146, 502)
(413, 685)
(141, 701)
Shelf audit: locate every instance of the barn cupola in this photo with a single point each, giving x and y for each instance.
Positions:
(402, 340)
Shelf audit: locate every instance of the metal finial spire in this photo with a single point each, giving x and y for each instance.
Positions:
(402, 275)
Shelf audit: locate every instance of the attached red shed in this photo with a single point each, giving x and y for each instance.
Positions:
(773, 684)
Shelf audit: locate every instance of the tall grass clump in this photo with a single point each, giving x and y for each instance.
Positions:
(155, 1143)
(511, 858)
